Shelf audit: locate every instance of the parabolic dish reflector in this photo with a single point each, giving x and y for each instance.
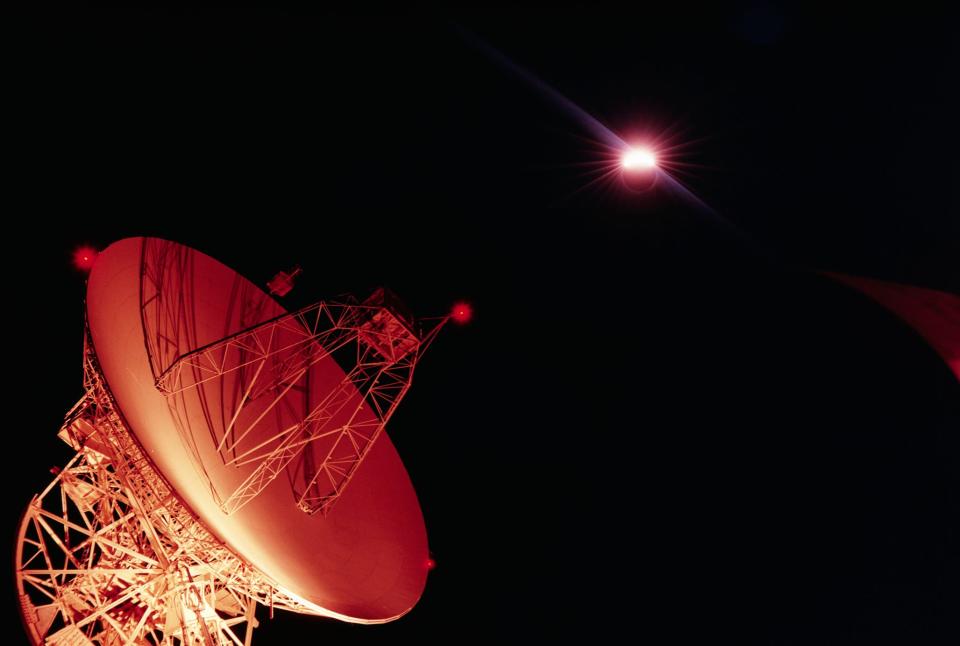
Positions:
(151, 302)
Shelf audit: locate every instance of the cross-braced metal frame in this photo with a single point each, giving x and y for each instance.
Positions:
(266, 367)
(275, 358)
(107, 554)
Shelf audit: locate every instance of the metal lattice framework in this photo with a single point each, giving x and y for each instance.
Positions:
(107, 554)
(373, 344)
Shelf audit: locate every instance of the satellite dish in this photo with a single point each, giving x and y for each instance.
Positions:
(229, 453)
(935, 315)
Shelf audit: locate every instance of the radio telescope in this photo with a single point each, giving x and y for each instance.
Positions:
(228, 454)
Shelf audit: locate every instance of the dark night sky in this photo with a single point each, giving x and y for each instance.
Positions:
(654, 427)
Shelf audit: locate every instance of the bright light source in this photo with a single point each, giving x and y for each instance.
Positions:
(638, 159)
(430, 563)
(84, 257)
(461, 313)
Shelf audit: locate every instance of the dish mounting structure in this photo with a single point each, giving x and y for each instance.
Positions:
(109, 554)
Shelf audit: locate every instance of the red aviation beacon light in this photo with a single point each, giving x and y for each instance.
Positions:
(84, 257)
(461, 313)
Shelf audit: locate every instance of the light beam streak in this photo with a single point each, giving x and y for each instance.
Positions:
(588, 122)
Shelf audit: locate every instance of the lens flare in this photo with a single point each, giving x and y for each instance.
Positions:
(637, 167)
(638, 159)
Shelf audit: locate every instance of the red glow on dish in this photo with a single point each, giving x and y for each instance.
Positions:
(84, 257)
(461, 313)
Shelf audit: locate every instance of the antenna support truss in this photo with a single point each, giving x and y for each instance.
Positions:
(376, 347)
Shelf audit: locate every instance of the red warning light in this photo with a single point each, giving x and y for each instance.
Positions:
(430, 563)
(84, 257)
(461, 313)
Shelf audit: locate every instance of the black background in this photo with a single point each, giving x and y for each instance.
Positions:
(654, 429)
